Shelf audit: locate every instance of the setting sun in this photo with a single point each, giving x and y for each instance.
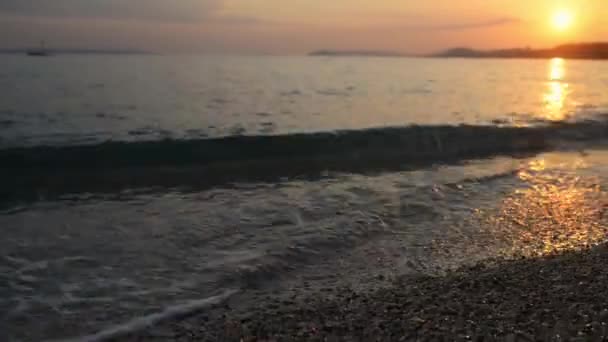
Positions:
(562, 20)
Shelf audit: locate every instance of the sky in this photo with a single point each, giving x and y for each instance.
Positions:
(297, 26)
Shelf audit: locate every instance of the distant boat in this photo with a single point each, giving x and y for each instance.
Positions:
(39, 52)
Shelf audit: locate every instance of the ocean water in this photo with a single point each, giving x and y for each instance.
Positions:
(149, 186)
(76, 99)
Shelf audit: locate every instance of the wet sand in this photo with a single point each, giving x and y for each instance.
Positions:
(560, 297)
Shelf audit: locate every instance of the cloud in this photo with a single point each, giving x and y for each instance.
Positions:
(240, 20)
(162, 10)
(473, 25)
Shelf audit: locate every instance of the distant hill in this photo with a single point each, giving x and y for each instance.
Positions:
(356, 53)
(572, 51)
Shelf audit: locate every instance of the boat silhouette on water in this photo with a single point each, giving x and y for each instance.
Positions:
(39, 52)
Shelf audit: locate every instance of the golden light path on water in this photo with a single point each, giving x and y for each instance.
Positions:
(556, 212)
(554, 204)
(555, 97)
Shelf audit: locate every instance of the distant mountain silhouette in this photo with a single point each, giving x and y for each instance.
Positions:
(572, 51)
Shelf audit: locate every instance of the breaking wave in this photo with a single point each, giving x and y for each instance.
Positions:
(114, 166)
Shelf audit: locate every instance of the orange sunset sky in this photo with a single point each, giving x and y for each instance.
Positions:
(298, 26)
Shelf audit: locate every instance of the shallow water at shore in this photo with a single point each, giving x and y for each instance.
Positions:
(115, 257)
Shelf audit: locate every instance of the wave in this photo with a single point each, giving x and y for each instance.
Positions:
(204, 162)
(412, 142)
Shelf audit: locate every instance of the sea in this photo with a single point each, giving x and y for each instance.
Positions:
(136, 188)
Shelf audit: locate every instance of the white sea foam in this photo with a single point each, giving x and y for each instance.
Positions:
(141, 323)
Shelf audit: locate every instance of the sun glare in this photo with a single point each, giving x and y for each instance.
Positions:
(562, 20)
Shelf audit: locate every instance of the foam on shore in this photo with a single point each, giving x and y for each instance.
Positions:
(142, 323)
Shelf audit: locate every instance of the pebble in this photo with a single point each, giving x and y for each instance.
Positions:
(523, 300)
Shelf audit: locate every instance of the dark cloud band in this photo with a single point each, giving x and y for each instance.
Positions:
(171, 10)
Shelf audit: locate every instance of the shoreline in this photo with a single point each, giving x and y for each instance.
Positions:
(350, 273)
(558, 296)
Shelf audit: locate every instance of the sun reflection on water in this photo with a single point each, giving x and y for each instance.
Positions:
(555, 212)
(553, 204)
(557, 92)
(556, 69)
